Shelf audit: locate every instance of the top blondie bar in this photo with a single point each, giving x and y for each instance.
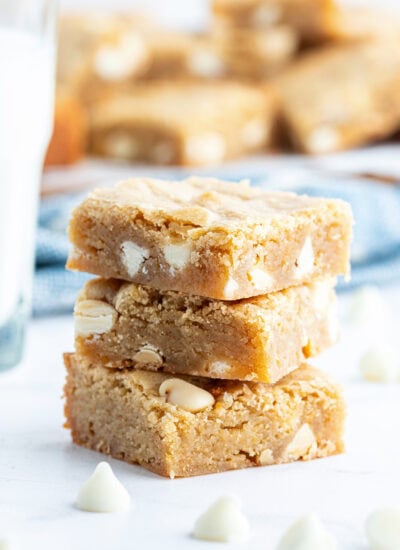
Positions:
(208, 237)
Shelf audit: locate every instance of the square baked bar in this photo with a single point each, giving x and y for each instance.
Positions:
(208, 237)
(183, 122)
(342, 96)
(260, 339)
(179, 427)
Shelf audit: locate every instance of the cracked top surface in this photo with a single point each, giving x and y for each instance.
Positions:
(208, 202)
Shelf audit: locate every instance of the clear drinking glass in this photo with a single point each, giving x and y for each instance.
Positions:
(27, 75)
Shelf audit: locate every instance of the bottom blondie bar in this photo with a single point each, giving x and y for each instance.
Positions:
(186, 426)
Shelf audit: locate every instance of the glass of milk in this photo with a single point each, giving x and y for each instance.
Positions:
(27, 69)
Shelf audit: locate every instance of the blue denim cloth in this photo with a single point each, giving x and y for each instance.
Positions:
(375, 250)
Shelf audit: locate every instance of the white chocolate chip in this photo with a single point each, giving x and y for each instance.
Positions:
(324, 139)
(93, 317)
(305, 260)
(266, 457)
(367, 307)
(148, 355)
(185, 395)
(177, 255)
(133, 257)
(102, 492)
(254, 133)
(206, 64)
(383, 529)
(230, 288)
(279, 44)
(218, 368)
(266, 16)
(302, 445)
(307, 533)
(205, 148)
(121, 145)
(117, 62)
(260, 278)
(379, 364)
(163, 152)
(222, 522)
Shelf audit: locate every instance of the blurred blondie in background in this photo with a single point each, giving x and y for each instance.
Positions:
(253, 76)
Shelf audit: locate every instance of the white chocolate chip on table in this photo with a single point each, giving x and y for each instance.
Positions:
(185, 395)
(383, 529)
(367, 307)
(93, 317)
(102, 492)
(222, 522)
(380, 364)
(307, 533)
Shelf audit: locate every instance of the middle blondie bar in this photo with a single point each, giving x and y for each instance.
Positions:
(208, 237)
(260, 339)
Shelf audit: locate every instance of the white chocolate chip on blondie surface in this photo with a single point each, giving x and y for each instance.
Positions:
(148, 355)
(205, 148)
(323, 140)
(302, 445)
(177, 255)
(119, 61)
(133, 257)
(93, 317)
(185, 395)
(305, 260)
(122, 145)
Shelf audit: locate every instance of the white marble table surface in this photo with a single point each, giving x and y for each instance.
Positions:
(41, 471)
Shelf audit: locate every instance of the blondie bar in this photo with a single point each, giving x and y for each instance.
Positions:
(209, 237)
(179, 427)
(342, 96)
(260, 339)
(314, 20)
(183, 122)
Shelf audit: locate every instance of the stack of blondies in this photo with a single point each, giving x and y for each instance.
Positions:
(191, 347)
